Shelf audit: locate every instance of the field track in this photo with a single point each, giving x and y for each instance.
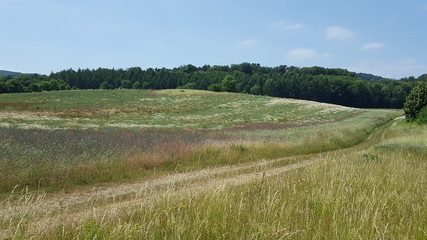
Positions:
(48, 211)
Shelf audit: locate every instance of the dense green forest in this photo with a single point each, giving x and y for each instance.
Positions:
(337, 86)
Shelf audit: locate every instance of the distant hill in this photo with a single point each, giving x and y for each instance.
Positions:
(368, 76)
(9, 73)
(328, 85)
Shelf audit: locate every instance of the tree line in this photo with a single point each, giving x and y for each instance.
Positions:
(31, 83)
(330, 85)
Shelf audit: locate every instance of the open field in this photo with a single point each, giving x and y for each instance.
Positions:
(373, 190)
(166, 109)
(181, 164)
(52, 153)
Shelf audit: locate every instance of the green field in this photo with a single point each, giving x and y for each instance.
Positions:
(62, 139)
(360, 193)
(166, 109)
(207, 166)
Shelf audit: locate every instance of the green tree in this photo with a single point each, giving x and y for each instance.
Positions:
(216, 87)
(63, 85)
(189, 85)
(3, 87)
(33, 87)
(136, 85)
(126, 84)
(14, 86)
(146, 85)
(270, 88)
(189, 68)
(54, 85)
(44, 86)
(422, 116)
(415, 101)
(105, 85)
(229, 84)
(256, 90)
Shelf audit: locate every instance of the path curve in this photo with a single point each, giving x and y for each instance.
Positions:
(48, 211)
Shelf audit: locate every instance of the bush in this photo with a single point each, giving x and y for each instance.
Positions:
(229, 84)
(105, 85)
(54, 85)
(14, 86)
(415, 101)
(3, 87)
(146, 85)
(126, 84)
(215, 87)
(422, 116)
(189, 85)
(256, 90)
(137, 85)
(33, 87)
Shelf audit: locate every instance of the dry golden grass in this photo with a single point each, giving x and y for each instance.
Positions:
(211, 181)
(368, 193)
(374, 190)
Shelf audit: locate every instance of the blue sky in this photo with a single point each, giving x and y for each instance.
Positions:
(386, 38)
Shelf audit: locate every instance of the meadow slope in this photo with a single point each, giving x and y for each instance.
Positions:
(78, 160)
(371, 190)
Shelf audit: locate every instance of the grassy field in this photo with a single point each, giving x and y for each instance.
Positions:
(228, 156)
(166, 109)
(376, 192)
(56, 140)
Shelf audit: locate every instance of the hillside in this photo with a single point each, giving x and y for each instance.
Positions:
(368, 76)
(166, 109)
(90, 127)
(157, 164)
(9, 73)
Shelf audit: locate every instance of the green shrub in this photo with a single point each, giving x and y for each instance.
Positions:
(136, 85)
(229, 84)
(415, 101)
(146, 85)
(189, 85)
(105, 85)
(422, 116)
(215, 87)
(126, 84)
(256, 90)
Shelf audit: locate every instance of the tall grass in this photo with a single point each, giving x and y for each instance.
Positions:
(376, 193)
(57, 159)
(43, 159)
(90, 143)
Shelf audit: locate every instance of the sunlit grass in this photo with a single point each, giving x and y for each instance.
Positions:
(371, 187)
(375, 193)
(166, 109)
(56, 159)
(53, 140)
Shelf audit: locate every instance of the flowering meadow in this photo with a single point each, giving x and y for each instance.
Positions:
(56, 140)
(184, 164)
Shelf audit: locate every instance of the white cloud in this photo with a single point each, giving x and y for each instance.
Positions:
(338, 33)
(372, 46)
(286, 26)
(304, 53)
(247, 43)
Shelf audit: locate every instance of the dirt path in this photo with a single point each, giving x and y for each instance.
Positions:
(47, 211)
(41, 213)
(127, 198)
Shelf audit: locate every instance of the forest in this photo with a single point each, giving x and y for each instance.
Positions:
(329, 85)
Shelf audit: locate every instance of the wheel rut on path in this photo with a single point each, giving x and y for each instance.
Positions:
(45, 212)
